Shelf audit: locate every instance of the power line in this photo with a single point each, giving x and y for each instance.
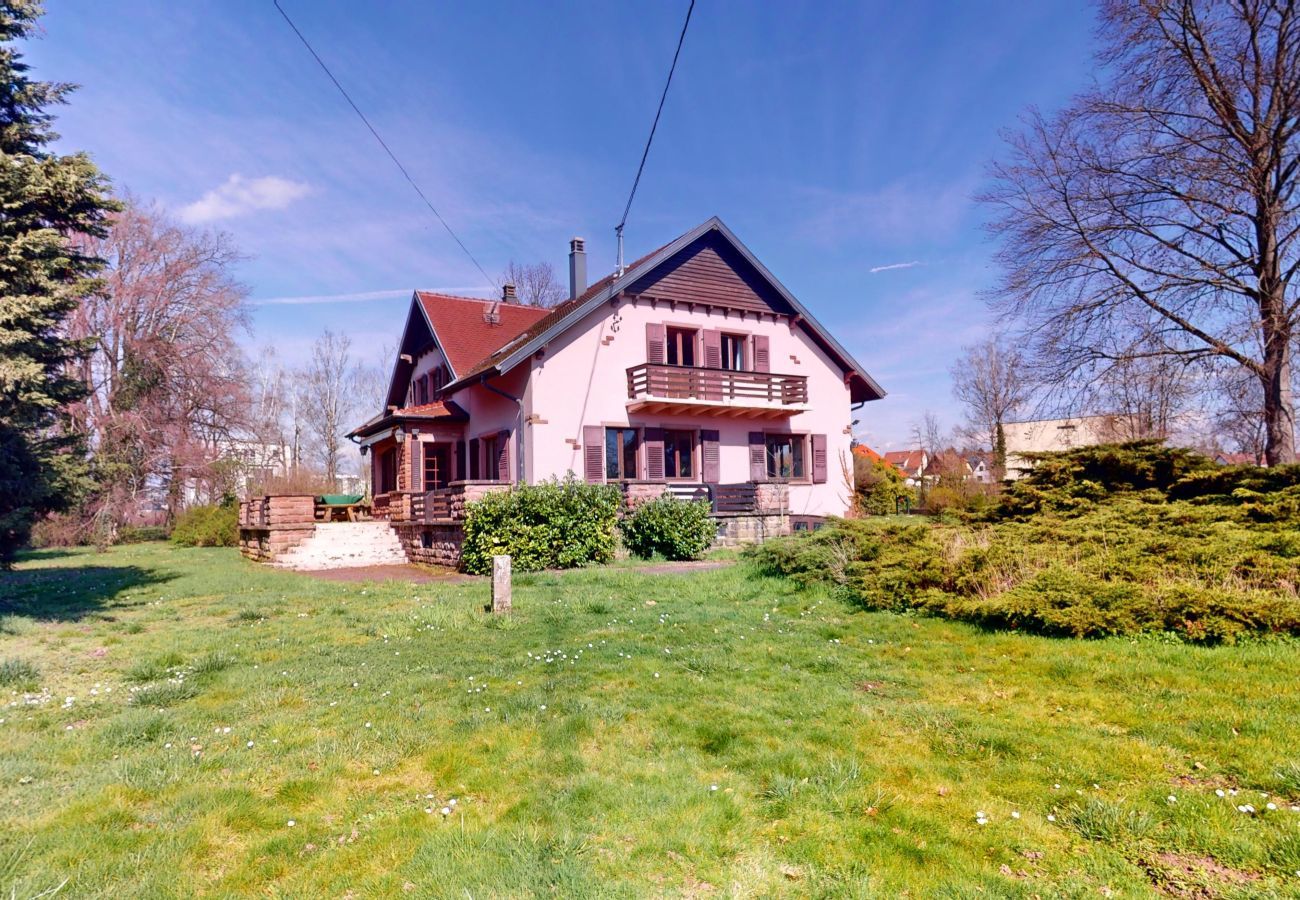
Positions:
(641, 168)
(391, 155)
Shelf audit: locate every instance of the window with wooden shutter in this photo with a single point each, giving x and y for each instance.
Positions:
(416, 459)
(502, 461)
(654, 454)
(593, 453)
(473, 459)
(654, 343)
(711, 461)
(819, 458)
(762, 354)
(757, 457)
(712, 348)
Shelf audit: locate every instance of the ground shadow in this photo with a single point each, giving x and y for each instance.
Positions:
(60, 594)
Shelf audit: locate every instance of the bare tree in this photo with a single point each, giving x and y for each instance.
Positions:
(535, 284)
(992, 382)
(325, 398)
(1239, 420)
(1162, 205)
(1148, 396)
(165, 382)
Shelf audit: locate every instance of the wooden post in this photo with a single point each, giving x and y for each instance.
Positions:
(501, 584)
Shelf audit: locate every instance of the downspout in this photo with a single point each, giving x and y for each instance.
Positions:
(519, 403)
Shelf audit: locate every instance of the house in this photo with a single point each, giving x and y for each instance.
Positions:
(1238, 459)
(693, 371)
(980, 471)
(912, 463)
(947, 463)
(866, 452)
(1061, 434)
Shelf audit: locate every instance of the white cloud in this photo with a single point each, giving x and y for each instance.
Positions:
(889, 268)
(360, 297)
(240, 196)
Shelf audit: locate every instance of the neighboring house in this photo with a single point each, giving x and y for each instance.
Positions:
(912, 463)
(243, 463)
(1060, 434)
(1238, 459)
(980, 471)
(693, 368)
(950, 463)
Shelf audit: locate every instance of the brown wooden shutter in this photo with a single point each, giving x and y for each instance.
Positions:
(762, 356)
(757, 457)
(375, 486)
(417, 465)
(654, 343)
(502, 462)
(819, 458)
(473, 459)
(654, 454)
(593, 452)
(711, 467)
(712, 348)
(461, 473)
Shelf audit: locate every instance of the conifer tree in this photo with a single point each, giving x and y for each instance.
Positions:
(47, 202)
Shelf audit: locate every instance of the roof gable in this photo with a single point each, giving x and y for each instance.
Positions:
(711, 270)
(748, 276)
(464, 334)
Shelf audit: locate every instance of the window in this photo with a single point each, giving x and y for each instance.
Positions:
(491, 448)
(422, 389)
(620, 453)
(785, 457)
(437, 465)
(437, 380)
(681, 347)
(733, 352)
(473, 459)
(679, 454)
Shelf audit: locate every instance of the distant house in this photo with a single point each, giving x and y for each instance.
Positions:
(912, 463)
(1060, 434)
(694, 370)
(980, 471)
(948, 463)
(1238, 459)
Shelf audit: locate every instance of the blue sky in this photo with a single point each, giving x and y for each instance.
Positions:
(841, 141)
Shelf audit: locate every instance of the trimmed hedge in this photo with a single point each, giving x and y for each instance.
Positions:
(1090, 545)
(207, 526)
(551, 525)
(674, 529)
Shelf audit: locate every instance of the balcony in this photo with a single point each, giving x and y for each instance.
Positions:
(722, 392)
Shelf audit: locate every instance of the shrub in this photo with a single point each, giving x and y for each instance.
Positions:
(672, 528)
(208, 526)
(1107, 553)
(551, 525)
(141, 534)
(878, 486)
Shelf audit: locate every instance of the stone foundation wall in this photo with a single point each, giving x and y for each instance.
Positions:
(263, 544)
(444, 540)
(738, 529)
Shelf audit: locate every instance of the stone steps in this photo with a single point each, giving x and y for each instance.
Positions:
(345, 545)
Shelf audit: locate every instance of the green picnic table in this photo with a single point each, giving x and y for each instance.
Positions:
(331, 507)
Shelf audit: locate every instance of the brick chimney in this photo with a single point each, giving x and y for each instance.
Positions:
(577, 267)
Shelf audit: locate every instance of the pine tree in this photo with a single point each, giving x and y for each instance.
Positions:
(47, 202)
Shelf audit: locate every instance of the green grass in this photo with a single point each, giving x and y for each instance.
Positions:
(850, 750)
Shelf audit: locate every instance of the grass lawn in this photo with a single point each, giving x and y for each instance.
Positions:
(181, 722)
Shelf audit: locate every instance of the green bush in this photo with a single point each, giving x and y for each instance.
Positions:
(878, 487)
(672, 528)
(552, 525)
(1108, 553)
(130, 534)
(207, 526)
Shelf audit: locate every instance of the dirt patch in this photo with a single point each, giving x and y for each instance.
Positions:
(869, 687)
(411, 574)
(1191, 877)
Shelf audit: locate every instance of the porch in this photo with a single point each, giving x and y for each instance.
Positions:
(667, 389)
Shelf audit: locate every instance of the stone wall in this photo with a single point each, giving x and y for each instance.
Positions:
(443, 540)
(271, 525)
(738, 529)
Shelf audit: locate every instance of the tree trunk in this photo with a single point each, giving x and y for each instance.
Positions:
(1279, 409)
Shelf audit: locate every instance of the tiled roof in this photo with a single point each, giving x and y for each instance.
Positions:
(553, 315)
(465, 336)
(443, 409)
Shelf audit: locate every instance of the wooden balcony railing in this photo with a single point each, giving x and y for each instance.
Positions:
(715, 385)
